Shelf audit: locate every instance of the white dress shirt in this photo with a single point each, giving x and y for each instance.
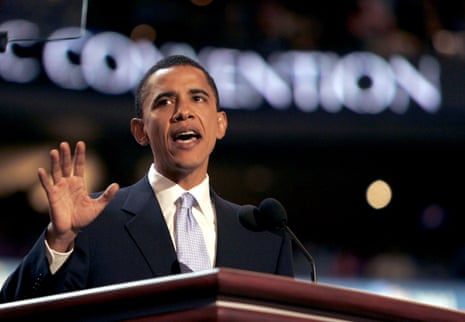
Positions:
(167, 192)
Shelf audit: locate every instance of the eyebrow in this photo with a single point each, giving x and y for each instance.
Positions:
(173, 93)
(165, 94)
(199, 91)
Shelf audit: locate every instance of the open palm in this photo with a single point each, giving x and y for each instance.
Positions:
(70, 205)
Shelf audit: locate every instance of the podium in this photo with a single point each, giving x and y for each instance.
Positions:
(223, 294)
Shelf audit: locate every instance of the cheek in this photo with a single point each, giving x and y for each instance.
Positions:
(212, 129)
(154, 132)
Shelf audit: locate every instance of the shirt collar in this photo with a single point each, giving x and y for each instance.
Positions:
(167, 191)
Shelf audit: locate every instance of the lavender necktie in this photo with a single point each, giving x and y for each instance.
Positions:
(191, 249)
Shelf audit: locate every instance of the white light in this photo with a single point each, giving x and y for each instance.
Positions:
(422, 91)
(175, 48)
(221, 63)
(301, 69)
(112, 63)
(107, 79)
(264, 80)
(328, 98)
(56, 59)
(17, 69)
(377, 96)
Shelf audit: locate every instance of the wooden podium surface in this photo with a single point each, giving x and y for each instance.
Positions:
(223, 295)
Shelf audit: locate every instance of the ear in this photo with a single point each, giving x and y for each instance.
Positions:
(138, 131)
(222, 120)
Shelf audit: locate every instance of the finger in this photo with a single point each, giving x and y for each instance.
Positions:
(80, 159)
(109, 193)
(55, 169)
(44, 179)
(65, 155)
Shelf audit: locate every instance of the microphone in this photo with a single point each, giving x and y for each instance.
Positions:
(271, 215)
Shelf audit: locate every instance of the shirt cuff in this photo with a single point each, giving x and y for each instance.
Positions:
(55, 259)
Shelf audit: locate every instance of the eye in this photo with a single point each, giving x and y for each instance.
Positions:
(199, 98)
(199, 95)
(163, 102)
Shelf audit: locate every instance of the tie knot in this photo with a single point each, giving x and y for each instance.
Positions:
(187, 200)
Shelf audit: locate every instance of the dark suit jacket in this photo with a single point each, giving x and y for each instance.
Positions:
(130, 241)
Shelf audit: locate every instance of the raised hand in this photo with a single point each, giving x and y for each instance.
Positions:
(70, 206)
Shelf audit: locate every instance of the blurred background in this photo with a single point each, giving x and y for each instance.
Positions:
(350, 113)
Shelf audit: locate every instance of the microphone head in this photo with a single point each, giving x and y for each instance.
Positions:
(272, 214)
(248, 217)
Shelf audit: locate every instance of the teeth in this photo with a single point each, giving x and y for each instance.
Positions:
(185, 135)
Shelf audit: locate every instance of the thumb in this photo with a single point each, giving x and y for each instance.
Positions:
(109, 193)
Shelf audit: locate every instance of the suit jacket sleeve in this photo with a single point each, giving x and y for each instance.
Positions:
(31, 278)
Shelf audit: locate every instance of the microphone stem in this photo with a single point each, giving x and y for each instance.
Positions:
(304, 250)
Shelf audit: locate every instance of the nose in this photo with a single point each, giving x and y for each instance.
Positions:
(183, 112)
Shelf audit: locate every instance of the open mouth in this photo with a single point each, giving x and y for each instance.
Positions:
(186, 136)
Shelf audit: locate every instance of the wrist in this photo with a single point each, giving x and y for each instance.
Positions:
(63, 242)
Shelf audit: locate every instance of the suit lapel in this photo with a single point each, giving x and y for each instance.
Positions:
(228, 240)
(148, 229)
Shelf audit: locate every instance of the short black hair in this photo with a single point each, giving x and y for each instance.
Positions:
(166, 62)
